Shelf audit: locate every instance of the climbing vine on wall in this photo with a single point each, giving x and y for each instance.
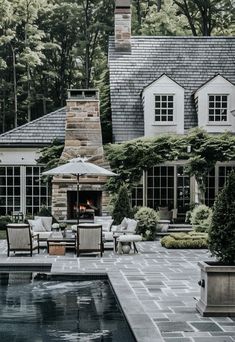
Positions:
(129, 159)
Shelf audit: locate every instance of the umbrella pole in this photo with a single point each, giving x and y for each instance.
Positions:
(78, 206)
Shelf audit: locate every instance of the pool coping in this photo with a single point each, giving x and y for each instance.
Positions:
(141, 325)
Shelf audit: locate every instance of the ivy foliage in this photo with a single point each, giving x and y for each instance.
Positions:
(130, 159)
(50, 155)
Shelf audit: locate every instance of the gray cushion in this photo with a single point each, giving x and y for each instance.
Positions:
(36, 225)
(46, 221)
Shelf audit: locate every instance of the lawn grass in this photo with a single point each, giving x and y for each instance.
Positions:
(3, 235)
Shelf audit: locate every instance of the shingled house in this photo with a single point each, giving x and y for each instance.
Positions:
(157, 84)
(78, 127)
(169, 85)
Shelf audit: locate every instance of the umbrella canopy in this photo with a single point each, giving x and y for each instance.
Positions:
(79, 167)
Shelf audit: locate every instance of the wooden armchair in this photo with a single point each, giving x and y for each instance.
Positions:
(89, 238)
(20, 238)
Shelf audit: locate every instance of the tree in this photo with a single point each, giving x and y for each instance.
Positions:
(222, 229)
(207, 17)
(122, 206)
(166, 21)
(105, 107)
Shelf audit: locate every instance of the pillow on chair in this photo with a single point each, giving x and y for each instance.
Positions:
(106, 225)
(124, 224)
(37, 225)
(131, 225)
(46, 222)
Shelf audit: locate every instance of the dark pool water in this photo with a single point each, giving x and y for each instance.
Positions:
(54, 310)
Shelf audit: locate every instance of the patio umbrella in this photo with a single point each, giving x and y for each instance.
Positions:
(79, 167)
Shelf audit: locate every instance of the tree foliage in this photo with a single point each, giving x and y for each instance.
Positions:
(122, 205)
(222, 229)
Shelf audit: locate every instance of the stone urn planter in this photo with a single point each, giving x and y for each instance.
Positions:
(217, 289)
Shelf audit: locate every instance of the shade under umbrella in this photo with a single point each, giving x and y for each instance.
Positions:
(79, 167)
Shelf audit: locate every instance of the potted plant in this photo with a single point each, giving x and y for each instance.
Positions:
(218, 278)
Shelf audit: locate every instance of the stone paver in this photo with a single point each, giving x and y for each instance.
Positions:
(157, 289)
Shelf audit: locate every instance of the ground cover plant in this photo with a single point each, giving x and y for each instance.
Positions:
(185, 240)
(222, 229)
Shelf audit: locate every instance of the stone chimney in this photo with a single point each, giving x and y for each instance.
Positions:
(123, 25)
(83, 138)
(83, 135)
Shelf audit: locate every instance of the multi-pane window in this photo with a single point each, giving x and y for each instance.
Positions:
(210, 188)
(37, 193)
(10, 185)
(183, 190)
(164, 107)
(137, 196)
(218, 107)
(21, 189)
(224, 172)
(160, 187)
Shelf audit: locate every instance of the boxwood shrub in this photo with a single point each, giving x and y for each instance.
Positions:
(183, 240)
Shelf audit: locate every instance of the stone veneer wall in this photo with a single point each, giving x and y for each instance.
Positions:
(83, 138)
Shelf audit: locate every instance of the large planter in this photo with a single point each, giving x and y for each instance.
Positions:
(217, 290)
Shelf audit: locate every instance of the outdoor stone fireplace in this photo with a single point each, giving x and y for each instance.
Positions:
(83, 138)
(89, 204)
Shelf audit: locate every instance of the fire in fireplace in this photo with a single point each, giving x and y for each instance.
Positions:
(89, 204)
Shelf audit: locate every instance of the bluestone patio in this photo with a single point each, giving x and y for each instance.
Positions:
(156, 288)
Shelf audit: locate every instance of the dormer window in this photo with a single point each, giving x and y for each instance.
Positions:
(164, 107)
(218, 108)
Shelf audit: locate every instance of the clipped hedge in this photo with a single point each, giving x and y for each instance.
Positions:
(183, 240)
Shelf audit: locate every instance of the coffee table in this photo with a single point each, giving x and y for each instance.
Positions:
(64, 241)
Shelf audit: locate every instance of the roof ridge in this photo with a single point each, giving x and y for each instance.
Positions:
(181, 37)
(31, 122)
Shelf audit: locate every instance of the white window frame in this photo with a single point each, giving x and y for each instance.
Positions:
(170, 122)
(220, 122)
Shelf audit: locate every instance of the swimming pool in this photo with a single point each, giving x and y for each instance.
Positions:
(40, 307)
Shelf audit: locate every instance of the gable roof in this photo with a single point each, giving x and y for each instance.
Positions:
(39, 132)
(211, 80)
(189, 61)
(159, 79)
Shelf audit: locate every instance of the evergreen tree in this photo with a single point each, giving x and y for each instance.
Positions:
(166, 21)
(222, 229)
(122, 206)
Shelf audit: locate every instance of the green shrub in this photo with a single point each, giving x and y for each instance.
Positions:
(222, 229)
(122, 205)
(44, 212)
(183, 240)
(4, 220)
(147, 222)
(201, 218)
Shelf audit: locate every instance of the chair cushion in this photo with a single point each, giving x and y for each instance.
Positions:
(36, 225)
(131, 225)
(129, 238)
(46, 221)
(108, 236)
(44, 235)
(124, 224)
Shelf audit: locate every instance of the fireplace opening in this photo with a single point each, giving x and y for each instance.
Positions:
(89, 204)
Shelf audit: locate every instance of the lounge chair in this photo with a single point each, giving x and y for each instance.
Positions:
(20, 238)
(89, 239)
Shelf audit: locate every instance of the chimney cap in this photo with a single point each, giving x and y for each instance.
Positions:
(123, 3)
(83, 94)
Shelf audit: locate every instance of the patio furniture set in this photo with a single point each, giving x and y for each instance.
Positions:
(82, 238)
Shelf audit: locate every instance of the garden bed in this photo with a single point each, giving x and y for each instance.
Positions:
(182, 240)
